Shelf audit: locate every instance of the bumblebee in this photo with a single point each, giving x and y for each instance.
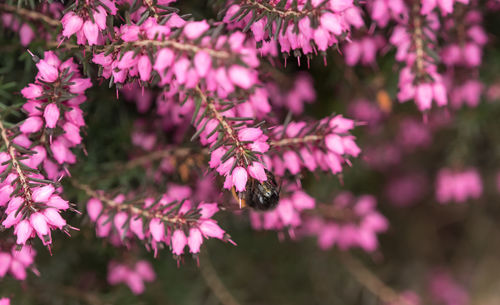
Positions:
(261, 196)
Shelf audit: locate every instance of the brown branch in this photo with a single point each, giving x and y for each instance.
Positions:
(128, 207)
(280, 12)
(214, 282)
(295, 141)
(371, 282)
(157, 155)
(17, 167)
(34, 15)
(418, 37)
(150, 5)
(179, 46)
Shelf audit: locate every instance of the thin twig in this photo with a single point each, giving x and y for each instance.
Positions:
(176, 219)
(370, 281)
(17, 167)
(34, 15)
(298, 140)
(280, 12)
(214, 282)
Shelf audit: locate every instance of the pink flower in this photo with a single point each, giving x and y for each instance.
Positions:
(144, 67)
(241, 77)
(31, 124)
(195, 240)
(157, 229)
(240, 178)
(32, 91)
(249, 134)
(194, 29)
(179, 241)
(47, 72)
(51, 115)
(71, 24)
(256, 170)
(54, 218)
(91, 31)
(23, 231)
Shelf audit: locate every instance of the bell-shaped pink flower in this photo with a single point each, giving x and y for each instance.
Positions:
(144, 67)
(39, 223)
(240, 178)
(249, 134)
(71, 24)
(51, 115)
(23, 231)
(91, 31)
(32, 91)
(47, 72)
(195, 240)
(164, 58)
(241, 76)
(423, 96)
(334, 143)
(31, 124)
(194, 29)
(211, 229)
(256, 170)
(42, 194)
(202, 63)
(54, 218)
(157, 229)
(179, 241)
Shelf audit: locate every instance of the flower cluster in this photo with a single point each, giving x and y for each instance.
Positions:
(287, 215)
(419, 79)
(42, 144)
(4, 301)
(326, 146)
(16, 262)
(133, 276)
(87, 20)
(458, 186)
(54, 114)
(170, 220)
(462, 56)
(363, 50)
(299, 27)
(348, 222)
(165, 54)
(300, 92)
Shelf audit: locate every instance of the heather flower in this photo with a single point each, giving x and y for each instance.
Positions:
(348, 222)
(133, 276)
(458, 186)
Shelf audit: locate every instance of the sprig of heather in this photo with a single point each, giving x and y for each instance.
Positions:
(38, 151)
(415, 39)
(298, 27)
(88, 21)
(168, 220)
(348, 222)
(25, 22)
(15, 261)
(458, 185)
(325, 145)
(235, 148)
(133, 274)
(462, 53)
